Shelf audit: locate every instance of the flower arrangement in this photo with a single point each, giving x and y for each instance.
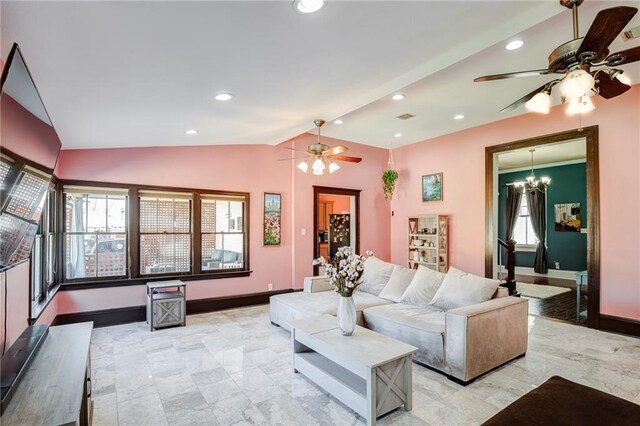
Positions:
(344, 270)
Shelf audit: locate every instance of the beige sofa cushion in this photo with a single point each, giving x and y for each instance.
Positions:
(400, 279)
(375, 276)
(423, 287)
(460, 289)
(421, 327)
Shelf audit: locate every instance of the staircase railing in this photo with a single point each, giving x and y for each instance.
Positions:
(510, 247)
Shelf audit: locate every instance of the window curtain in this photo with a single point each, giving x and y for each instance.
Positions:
(514, 198)
(537, 202)
(76, 265)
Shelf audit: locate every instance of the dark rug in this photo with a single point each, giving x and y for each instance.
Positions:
(559, 401)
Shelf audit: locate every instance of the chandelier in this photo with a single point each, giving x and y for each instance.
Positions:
(533, 183)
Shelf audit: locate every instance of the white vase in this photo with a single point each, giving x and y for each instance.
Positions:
(347, 315)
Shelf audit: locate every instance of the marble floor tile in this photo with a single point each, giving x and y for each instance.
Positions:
(234, 368)
(143, 411)
(105, 410)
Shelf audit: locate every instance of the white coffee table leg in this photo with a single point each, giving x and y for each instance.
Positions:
(372, 403)
(408, 384)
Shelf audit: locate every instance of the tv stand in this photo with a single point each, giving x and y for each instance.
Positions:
(56, 386)
(17, 359)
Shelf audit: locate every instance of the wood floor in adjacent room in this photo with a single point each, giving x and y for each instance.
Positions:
(560, 307)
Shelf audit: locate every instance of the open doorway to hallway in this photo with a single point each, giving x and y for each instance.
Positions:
(542, 226)
(336, 221)
(542, 196)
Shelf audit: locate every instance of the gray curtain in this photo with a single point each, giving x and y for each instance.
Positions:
(514, 198)
(537, 202)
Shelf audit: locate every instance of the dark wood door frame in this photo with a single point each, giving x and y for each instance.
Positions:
(593, 207)
(317, 190)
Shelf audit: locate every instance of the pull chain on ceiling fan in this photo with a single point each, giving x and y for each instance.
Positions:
(587, 66)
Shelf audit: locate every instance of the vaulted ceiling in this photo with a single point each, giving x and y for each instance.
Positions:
(115, 74)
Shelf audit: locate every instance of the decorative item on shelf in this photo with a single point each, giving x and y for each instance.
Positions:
(344, 271)
(418, 243)
(585, 65)
(415, 255)
(271, 225)
(432, 187)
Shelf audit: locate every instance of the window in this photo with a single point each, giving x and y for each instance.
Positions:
(43, 253)
(523, 232)
(165, 232)
(95, 238)
(223, 236)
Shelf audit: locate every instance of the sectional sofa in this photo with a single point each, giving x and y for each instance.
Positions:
(463, 325)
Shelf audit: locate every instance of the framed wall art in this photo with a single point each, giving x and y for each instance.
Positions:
(272, 220)
(432, 187)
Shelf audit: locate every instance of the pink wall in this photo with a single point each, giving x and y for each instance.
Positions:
(460, 156)
(254, 169)
(17, 280)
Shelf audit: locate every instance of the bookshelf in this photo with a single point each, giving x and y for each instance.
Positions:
(428, 237)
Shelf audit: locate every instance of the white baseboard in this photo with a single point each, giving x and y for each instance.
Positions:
(552, 273)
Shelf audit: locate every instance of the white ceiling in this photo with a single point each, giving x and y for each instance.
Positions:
(545, 155)
(116, 74)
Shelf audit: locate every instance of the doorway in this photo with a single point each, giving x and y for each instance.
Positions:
(336, 221)
(560, 276)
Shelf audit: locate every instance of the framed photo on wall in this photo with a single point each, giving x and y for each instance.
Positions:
(567, 217)
(432, 187)
(272, 219)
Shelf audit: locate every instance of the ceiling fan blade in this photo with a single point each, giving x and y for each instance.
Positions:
(630, 55)
(530, 73)
(293, 149)
(289, 159)
(610, 87)
(346, 158)
(604, 29)
(335, 150)
(523, 100)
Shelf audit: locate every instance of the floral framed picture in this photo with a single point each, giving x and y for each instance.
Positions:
(432, 187)
(272, 220)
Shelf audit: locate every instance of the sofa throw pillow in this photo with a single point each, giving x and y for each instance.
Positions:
(375, 276)
(463, 289)
(423, 287)
(400, 279)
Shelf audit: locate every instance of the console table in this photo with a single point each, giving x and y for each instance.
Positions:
(366, 371)
(56, 388)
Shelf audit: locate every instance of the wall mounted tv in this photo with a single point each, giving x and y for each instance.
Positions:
(29, 147)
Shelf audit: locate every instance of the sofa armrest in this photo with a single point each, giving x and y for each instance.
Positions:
(481, 337)
(316, 284)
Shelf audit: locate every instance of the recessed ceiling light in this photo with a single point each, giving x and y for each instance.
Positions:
(191, 132)
(338, 121)
(224, 97)
(397, 135)
(515, 44)
(458, 117)
(307, 6)
(398, 96)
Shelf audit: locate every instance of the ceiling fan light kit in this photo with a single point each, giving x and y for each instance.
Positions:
(322, 156)
(587, 67)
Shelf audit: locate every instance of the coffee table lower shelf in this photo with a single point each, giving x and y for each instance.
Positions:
(368, 372)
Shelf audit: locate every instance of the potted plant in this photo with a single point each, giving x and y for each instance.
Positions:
(344, 271)
(389, 178)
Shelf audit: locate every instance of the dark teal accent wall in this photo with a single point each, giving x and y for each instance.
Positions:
(568, 185)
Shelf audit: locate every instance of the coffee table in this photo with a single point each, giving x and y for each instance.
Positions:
(368, 372)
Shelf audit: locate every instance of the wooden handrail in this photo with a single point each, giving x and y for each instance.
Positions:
(510, 246)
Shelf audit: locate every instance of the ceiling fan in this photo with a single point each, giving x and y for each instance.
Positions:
(587, 67)
(321, 155)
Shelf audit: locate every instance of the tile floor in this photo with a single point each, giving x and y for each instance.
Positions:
(234, 368)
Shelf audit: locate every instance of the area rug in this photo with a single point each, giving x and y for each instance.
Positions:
(539, 291)
(561, 402)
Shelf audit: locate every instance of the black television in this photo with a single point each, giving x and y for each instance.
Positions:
(29, 148)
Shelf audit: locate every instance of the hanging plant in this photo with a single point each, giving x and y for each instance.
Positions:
(389, 178)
